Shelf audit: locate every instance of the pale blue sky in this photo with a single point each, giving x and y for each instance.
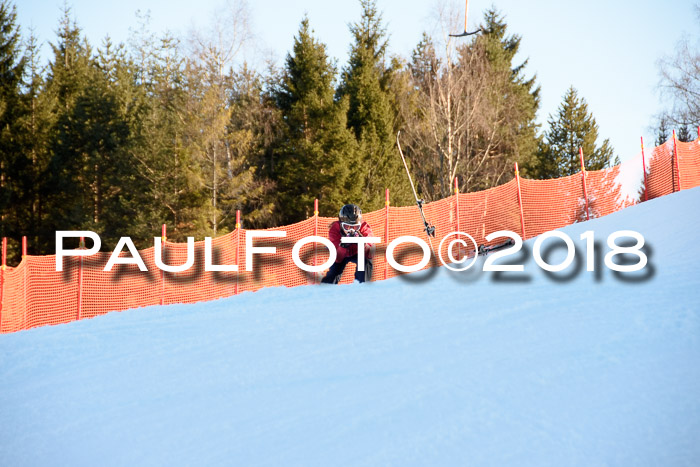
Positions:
(607, 49)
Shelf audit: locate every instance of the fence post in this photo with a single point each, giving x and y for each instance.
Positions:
(2, 277)
(386, 231)
(80, 282)
(644, 171)
(583, 177)
(24, 291)
(456, 189)
(457, 204)
(675, 159)
(238, 248)
(520, 202)
(315, 233)
(163, 236)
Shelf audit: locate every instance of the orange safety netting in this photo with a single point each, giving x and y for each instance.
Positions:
(35, 294)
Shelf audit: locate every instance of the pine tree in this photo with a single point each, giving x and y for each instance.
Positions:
(14, 164)
(221, 151)
(255, 130)
(662, 134)
(573, 127)
(684, 134)
(170, 176)
(33, 130)
(68, 76)
(92, 177)
(371, 114)
(109, 113)
(317, 157)
(517, 97)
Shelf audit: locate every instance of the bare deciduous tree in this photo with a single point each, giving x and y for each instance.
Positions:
(680, 79)
(225, 38)
(214, 52)
(454, 114)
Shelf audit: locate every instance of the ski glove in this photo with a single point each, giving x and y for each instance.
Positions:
(350, 234)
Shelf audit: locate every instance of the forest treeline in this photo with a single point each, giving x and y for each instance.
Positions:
(119, 139)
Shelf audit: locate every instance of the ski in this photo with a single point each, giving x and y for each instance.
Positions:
(485, 250)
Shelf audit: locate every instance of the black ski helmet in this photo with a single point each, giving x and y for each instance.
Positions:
(350, 214)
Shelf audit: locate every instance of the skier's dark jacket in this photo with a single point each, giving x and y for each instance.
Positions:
(346, 250)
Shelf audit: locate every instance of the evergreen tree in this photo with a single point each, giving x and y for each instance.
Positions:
(255, 130)
(318, 155)
(662, 134)
(14, 164)
(684, 134)
(573, 127)
(68, 76)
(371, 114)
(424, 65)
(33, 130)
(109, 113)
(517, 97)
(223, 149)
(170, 176)
(92, 178)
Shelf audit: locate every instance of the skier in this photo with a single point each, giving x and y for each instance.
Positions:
(349, 224)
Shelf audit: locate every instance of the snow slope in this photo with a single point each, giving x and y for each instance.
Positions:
(454, 369)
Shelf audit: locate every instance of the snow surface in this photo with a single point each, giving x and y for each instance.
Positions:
(630, 179)
(473, 368)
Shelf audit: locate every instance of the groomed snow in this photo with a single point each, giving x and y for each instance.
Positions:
(455, 369)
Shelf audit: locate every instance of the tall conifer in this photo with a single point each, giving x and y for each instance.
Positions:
(518, 96)
(371, 115)
(662, 133)
(14, 164)
(317, 159)
(571, 128)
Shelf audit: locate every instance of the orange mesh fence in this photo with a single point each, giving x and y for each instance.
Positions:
(35, 294)
(689, 164)
(661, 166)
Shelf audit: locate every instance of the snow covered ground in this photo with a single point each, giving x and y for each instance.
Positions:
(573, 368)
